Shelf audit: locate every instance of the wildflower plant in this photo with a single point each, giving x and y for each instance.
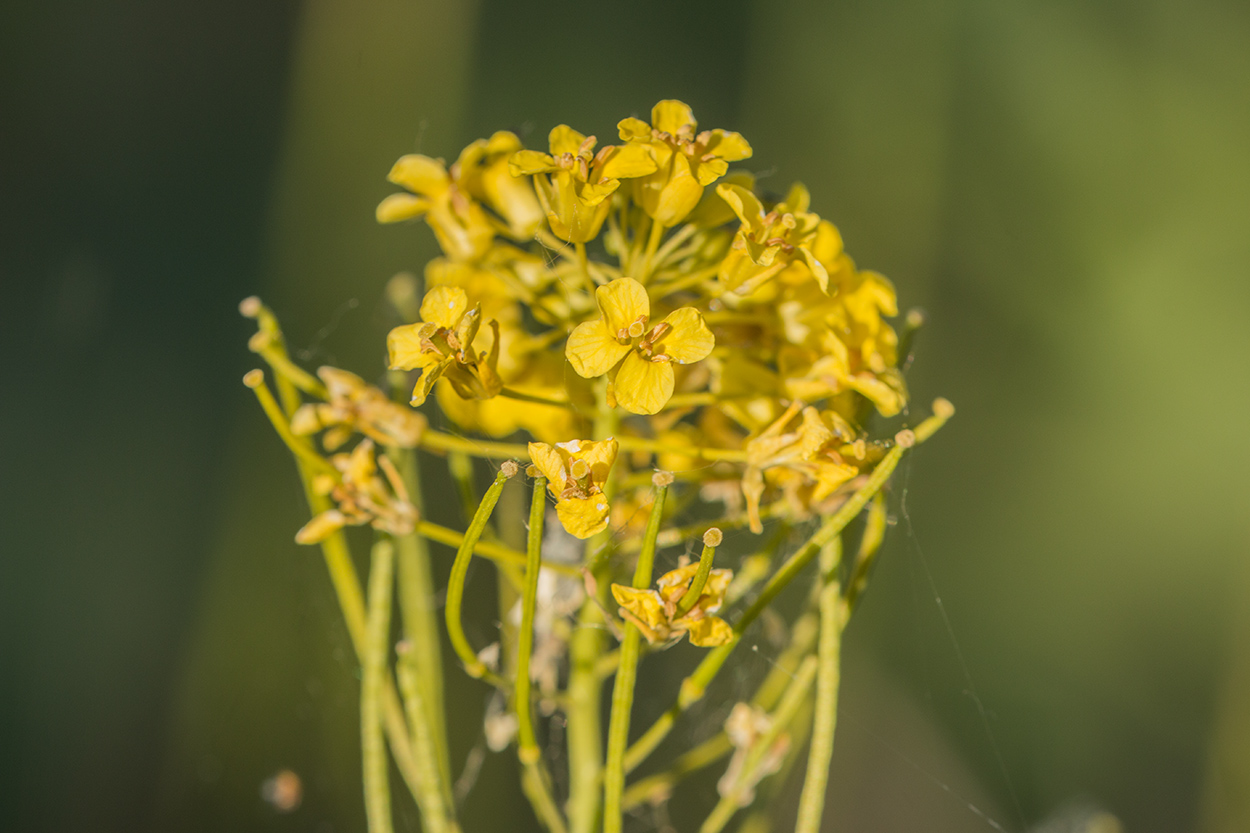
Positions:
(667, 356)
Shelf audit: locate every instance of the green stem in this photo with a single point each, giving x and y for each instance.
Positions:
(301, 448)
(420, 622)
(373, 676)
(585, 687)
(695, 685)
(538, 400)
(527, 742)
(473, 666)
(432, 795)
(627, 676)
(695, 590)
(653, 243)
(535, 782)
(869, 545)
(488, 549)
(833, 614)
(802, 639)
(791, 702)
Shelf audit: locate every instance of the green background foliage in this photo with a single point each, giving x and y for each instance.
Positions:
(1058, 619)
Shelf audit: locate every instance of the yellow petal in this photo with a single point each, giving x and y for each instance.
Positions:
(678, 193)
(675, 583)
(551, 464)
(399, 207)
(564, 139)
(622, 302)
(599, 455)
(672, 115)
(643, 387)
(633, 130)
(743, 203)
(420, 174)
(592, 350)
(583, 517)
(444, 306)
(707, 632)
(527, 162)
(403, 344)
(628, 161)
(711, 170)
(644, 604)
(321, 527)
(689, 339)
(798, 200)
(729, 146)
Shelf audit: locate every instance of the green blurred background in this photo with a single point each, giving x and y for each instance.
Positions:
(1059, 622)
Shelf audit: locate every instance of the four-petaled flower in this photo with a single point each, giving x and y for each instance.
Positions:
(441, 346)
(656, 612)
(644, 382)
(463, 229)
(575, 472)
(767, 241)
(483, 171)
(685, 161)
(574, 183)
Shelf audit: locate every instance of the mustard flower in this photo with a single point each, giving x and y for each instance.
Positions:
(483, 171)
(767, 241)
(460, 224)
(644, 381)
(354, 405)
(656, 614)
(441, 346)
(685, 161)
(361, 497)
(576, 472)
(574, 184)
(805, 452)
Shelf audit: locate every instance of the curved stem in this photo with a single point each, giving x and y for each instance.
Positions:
(695, 590)
(626, 677)
(473, 666)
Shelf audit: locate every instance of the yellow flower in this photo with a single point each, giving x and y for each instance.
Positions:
(461, 225)
(361, 497)
(574, 185)
(644, 381)
(356, 406)
(685, 161)
(767, 242)
(806, 452)
(575, 472)
(655, 611)
(441, 345)
(483, 171)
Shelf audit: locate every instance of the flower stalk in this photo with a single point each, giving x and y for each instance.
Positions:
(680, 355)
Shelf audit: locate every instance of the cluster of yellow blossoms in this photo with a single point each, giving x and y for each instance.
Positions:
(647, 320)
(731, 333)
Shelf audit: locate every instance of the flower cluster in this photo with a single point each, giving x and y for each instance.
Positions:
(646, 281)
(677, 352)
